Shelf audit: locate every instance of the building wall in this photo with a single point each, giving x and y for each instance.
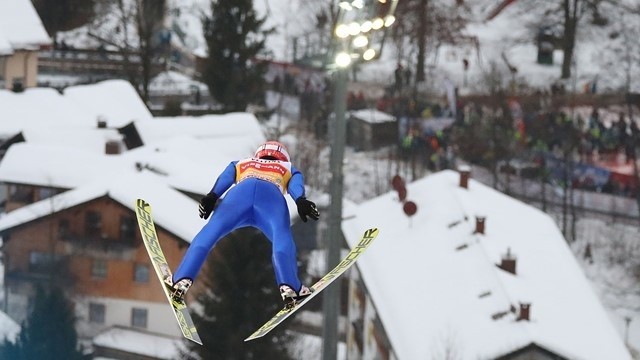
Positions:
(366, 338)
(21, 66)
(19, 195)
(364, 135)
(3, 70)
(78, 253)
(118, 312)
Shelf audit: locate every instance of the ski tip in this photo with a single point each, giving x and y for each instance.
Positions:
(371, 232)
(252, 337)
(141, 203)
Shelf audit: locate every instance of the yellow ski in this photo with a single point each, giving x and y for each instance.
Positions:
(343, 266)
(160, 265)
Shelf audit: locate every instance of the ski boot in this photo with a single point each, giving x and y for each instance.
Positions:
(291, 298)
(179, 289)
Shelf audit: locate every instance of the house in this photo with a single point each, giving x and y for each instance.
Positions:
(473, 274)
(369, 129)
(125, 343)
(22, 35)
(87, 240)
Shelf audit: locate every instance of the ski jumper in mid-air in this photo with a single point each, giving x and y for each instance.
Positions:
(256, 200)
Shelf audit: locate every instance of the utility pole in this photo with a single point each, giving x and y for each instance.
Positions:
(331, 298)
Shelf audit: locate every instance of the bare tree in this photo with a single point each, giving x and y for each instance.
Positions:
(423, 26)
(132, 28)
(567, 17)
(149, 15)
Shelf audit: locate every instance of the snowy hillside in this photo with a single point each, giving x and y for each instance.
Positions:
(510, 36)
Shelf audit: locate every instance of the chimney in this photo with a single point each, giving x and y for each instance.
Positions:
(102, 123)
(508, 262)
(112, 148)
(525, 312)
(465, 174)
(479, 225)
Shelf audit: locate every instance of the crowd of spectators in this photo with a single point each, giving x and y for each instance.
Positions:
(488, 129)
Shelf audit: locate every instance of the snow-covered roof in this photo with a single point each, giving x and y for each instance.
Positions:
(88, 140)
(186, 163)
(373, 116)
(452, 283)
(115, 101)
(57, 166)
(139, 342)
(172, 210)
(79, 107)
(52, 110)
(5, 45)
(183, 162)
(21, 26)
(243, 126)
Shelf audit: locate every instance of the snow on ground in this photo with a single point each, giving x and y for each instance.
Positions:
(614, 272)
(511, 36)
(310, 347)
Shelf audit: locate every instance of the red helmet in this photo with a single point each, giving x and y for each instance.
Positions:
(272, 149)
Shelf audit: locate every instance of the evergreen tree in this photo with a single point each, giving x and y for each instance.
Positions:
(239, 295)
(235, 39)
(9, 350)
(48, 332)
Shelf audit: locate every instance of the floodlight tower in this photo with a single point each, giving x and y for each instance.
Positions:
(358, 37)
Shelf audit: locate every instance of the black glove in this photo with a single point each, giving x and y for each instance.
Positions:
(307, 208)
(207, 203)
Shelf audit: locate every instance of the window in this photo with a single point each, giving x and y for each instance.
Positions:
(96, 313)
(141, 273)
(40, 261)
(127, 228)
(139, 317)
(2, 68)
(46, 192)
(92, 223)
(63, 228)
(99, 269)
(21, 193)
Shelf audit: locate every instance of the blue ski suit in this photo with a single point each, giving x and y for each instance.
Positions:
(256, 200)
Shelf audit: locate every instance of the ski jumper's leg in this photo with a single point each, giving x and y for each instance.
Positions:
(234, 211)
(272, 218)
